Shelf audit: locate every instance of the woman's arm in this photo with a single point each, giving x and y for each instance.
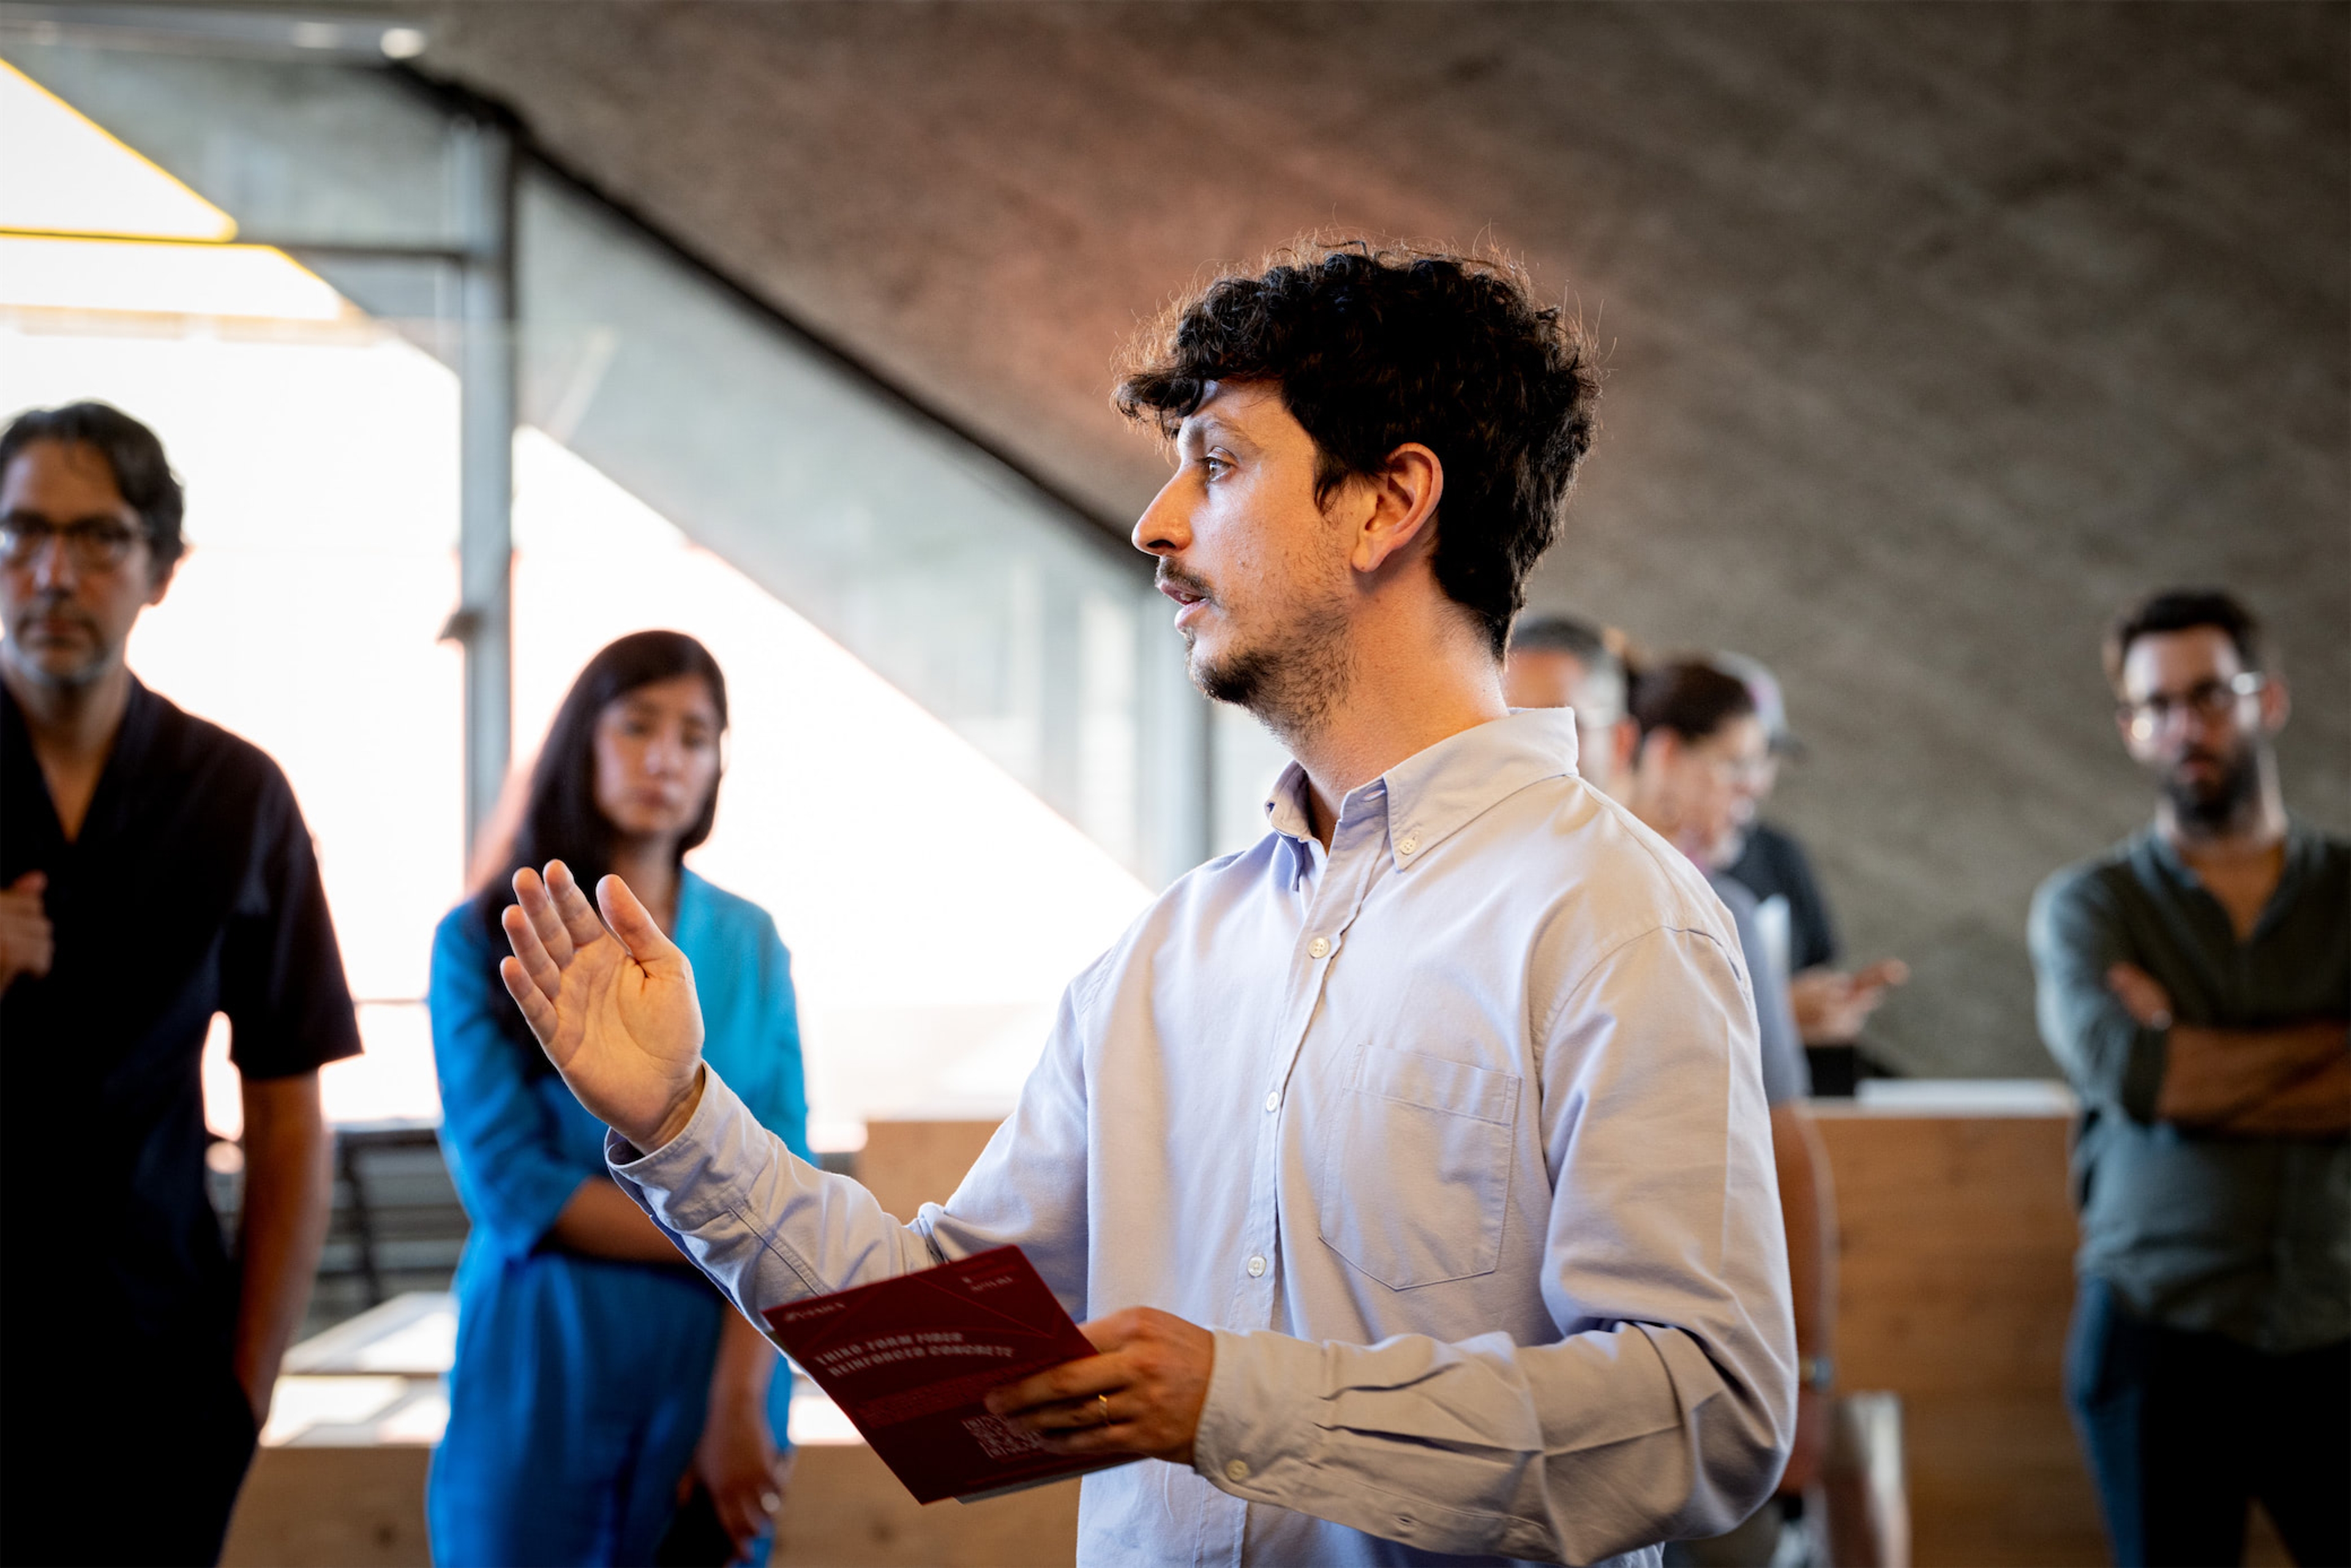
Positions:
(496, 1129)
(600, 1221)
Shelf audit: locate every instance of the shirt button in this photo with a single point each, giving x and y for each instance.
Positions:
(1273, 1100)
(1318, 948)
(1407, 844)
(1257, 1268)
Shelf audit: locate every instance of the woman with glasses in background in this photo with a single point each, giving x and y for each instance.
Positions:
(606, 1405)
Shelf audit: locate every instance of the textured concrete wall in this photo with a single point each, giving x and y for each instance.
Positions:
(1934, 331)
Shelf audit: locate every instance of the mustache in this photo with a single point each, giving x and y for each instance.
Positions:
(1171, 574)
(60, 607)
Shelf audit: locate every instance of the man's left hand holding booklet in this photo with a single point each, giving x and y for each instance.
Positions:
(910, 1359)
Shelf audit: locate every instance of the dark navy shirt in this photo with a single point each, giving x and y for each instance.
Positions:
(2246, 1236)
(191, 889)
(1773, 862)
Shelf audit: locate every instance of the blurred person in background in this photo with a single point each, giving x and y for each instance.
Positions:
(156, 871)
(1831, 1004)
(606, 1405)
(1558, 661)
(1693, 777)
(2195, 984)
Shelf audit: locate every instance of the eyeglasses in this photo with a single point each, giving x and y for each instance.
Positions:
(94, 544)
(2208, 700)
(1743, 773)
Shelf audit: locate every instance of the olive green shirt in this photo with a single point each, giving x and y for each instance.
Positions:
(2249, 1238)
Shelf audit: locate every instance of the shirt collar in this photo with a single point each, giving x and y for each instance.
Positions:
(1435, 792)
(2305, 848)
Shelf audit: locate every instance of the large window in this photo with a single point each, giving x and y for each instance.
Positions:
(963, 747)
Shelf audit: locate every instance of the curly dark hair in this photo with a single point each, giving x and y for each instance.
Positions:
(132, 454)
(1373, 346)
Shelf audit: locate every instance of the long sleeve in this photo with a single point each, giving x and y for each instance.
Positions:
(2075, 937)
(1665, 1407)
(769, 1228)
(499, 1135)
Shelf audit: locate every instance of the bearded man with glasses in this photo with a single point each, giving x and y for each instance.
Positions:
(156, 871)
(2195, 983)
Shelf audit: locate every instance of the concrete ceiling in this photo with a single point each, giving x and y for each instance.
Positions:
(1934, 331)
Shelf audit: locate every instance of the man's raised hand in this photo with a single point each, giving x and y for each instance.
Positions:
(611, 1002)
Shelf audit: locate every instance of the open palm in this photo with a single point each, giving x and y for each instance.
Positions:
(613, 1005)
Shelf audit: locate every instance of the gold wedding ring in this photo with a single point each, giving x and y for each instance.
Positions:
(1103, 1400)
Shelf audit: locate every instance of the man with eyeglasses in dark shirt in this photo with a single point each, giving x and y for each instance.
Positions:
(154, 870)
(2195, 984)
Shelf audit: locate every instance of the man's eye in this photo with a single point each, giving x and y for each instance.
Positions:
(1218, 467)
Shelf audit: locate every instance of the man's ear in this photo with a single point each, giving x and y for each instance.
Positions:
(1660, 743)
(161, 582)
(1403, 496)
(2277, 703)
(1624, 744)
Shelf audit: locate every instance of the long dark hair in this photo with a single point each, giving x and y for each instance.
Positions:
(560, 819)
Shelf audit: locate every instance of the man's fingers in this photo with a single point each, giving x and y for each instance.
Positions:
(572, 906)
(632, 922)
(537, 1011)
(32, 881)
(1080, 1379)
(2141, 995)
(537, 902)
(536, 967)
(524, 934)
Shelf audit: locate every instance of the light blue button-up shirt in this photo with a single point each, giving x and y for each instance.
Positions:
(1456, 1137)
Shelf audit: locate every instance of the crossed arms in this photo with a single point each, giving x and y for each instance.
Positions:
(2289, 1082)
(2110, 1024)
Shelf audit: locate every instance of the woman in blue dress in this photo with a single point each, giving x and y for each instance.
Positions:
(606, 1405)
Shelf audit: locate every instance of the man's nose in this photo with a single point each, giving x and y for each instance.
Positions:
(1165, 528)
(2193, 724)
(51, 564)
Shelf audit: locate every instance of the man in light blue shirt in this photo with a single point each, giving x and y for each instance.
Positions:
(1415, 1161)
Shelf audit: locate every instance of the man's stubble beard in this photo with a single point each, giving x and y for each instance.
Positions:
(2228, 799)
(1293, 681)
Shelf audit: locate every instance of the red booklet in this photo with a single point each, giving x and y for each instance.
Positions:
(910, 1359)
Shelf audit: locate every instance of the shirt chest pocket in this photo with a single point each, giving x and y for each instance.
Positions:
(1415, 1176)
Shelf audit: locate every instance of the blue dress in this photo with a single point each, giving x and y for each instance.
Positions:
(581, 1383)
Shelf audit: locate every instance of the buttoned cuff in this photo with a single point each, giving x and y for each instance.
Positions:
(687, 1182)
(2142, 1068)
(1256, 1437)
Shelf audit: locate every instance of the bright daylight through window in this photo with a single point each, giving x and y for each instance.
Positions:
(319, 450)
